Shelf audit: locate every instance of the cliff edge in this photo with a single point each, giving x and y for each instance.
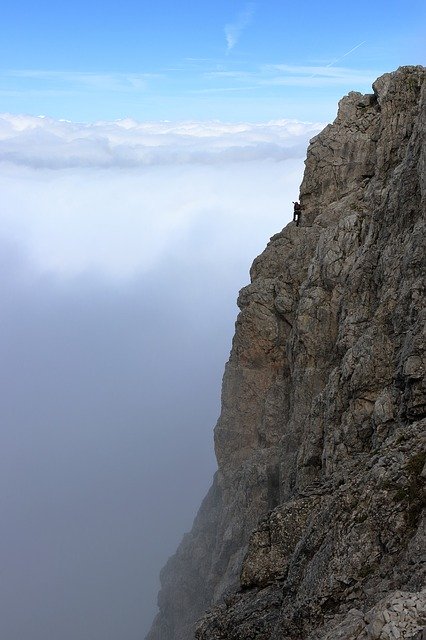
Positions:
(314, 526)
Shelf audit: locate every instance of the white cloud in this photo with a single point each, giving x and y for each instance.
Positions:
(124, 197)
(329, 75)
(122, 247)
(123, 82)
(41, 142)
(298, 76)
(233, 30)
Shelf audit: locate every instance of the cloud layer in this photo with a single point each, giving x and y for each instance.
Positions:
(106, 415)
(42, 142)
(122, 248)
(121, 197)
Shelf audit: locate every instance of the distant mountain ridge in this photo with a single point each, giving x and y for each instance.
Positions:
(314, 526)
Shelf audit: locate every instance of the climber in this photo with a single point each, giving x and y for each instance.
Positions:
(296, 213)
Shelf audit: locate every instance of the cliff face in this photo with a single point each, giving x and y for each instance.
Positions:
(314, 527)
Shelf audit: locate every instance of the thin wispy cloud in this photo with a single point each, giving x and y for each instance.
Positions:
(243, 75)
(81, 79)
(315, 76)
(296, 76)
(234, 29)
(45, 88)
(345, 54)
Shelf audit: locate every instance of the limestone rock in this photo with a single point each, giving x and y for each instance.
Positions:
(314, 527)
(399, 615)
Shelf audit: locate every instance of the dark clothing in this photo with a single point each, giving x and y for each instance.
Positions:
(296, 213)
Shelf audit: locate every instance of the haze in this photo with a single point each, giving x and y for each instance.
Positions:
(118, 310)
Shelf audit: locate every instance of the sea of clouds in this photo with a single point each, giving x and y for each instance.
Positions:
(122, 248)
(42, 142)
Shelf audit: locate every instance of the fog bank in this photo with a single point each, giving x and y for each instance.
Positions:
(118, 284)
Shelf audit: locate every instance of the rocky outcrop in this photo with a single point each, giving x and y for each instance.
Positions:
(314, 525)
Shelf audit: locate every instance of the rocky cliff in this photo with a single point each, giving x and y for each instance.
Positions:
(313, 527)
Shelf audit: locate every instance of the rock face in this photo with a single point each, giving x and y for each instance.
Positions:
(313, 528)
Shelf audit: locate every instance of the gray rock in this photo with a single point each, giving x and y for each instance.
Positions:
(314, 526)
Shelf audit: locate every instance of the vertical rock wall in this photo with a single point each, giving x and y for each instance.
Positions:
(316, 509)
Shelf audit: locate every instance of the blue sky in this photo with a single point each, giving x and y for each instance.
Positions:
(194, 60)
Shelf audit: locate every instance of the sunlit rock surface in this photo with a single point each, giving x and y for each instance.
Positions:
(314, 527)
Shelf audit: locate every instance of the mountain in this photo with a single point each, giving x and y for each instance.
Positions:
(314, 525)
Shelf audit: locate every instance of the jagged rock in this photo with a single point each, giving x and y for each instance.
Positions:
(314, 525)
(399, 615)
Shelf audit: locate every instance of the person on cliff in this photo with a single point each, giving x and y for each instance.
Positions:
(296, 213)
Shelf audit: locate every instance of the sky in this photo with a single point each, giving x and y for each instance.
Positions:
(226, 60)
(147, 153)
